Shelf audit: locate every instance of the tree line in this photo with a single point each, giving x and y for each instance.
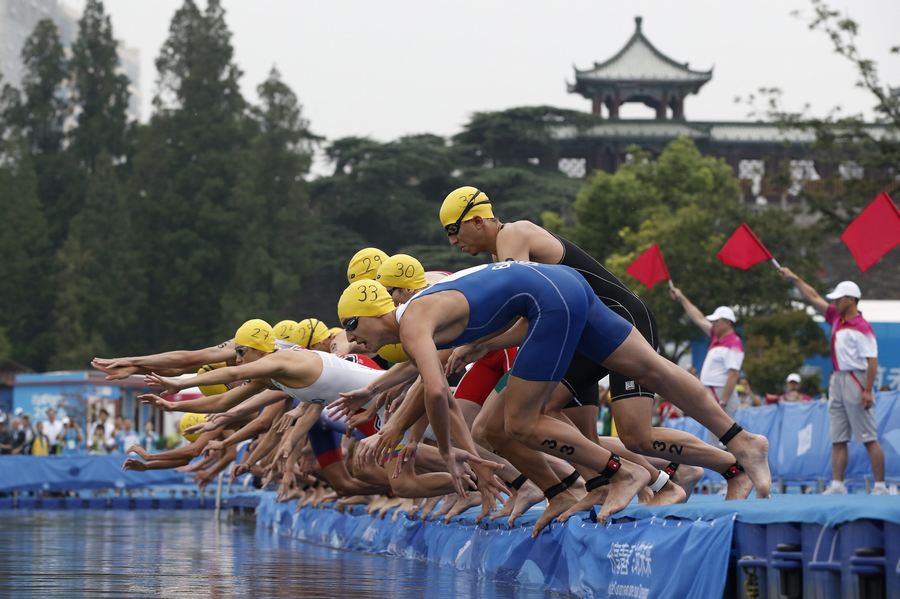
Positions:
(121, 237)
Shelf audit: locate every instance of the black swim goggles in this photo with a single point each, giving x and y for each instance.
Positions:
(240, 350)
(453, 228)
(350, 324)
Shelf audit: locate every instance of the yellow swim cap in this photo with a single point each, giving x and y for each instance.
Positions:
(187, 421)
(335, 331)
(311, 331)
(285, 330)
(393, 353)
(457, 200)
(256, 333)
(366, 298)
(209, 390)
(364, 264)
(402, 270)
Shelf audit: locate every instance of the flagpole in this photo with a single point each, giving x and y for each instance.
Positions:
(671, 284)
(775, 262)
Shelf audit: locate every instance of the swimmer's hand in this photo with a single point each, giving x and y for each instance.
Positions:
(387, 439)
(463, 355)
(350, 402)
(407, 454)
(157, 401)
(167, 384)
(214, 445)
(115, 368)
(460, 470)
(134, 464)
(288, 419)
(212, 424)
(489, 484)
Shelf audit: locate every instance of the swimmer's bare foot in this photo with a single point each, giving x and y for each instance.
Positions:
(527, 496)
(325, 498)
(555, 507)
(446, 506)
(752, 452)
(687, 478)
(428, 506)
(375, 505)
(405, 507)
(414, 509)
(391, 502)
(622, 488)
(592, 498)
(670, 494)
(738, 487)
(462, 504)
(645, 495)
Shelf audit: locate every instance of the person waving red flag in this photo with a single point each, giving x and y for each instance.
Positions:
(649, 268)
(874, 233)
(744, 249)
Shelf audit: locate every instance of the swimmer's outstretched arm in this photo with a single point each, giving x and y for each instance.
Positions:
(188, 452)
(268, 367)
(176, 362)
(206, 405)
(258, 402)
(255, 427)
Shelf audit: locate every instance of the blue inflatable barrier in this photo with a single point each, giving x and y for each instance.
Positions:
(631, 559)
(800, 441)
(70, 473)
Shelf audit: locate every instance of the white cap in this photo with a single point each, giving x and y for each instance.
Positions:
(722, 312)
(793, 378)
(19, 411)
(65, 420)
(845, 289)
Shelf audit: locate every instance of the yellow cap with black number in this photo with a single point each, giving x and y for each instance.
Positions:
(256, 333)
(364, 264)
(209, 390)
(187, 421)
(365, 298)
(402, 270)
(311, 331)
(393, 353)
(285, 330)
(457, 200)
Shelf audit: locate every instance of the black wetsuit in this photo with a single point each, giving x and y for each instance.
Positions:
(582, 376)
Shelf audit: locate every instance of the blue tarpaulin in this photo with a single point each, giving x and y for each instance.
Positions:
(68, 473)
(800, 442)
(632, 559)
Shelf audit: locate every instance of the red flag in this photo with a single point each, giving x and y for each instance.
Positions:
(649, 268)
(873, 233)
(743, 249)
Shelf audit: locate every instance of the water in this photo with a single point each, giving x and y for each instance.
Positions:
(192, 554)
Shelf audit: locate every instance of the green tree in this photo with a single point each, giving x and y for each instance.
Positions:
(856, 160)
(25, 271)
(777, 344)
(99, 90)
(39, 110)
(186, 172)
(696, 212)
(275, 239)
(99, 289)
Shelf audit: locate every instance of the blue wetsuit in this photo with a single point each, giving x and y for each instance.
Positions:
(563, 313)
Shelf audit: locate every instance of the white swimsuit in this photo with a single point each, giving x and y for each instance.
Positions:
(338, 376)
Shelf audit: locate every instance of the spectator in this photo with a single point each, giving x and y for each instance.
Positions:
(885, 387)
(41, 443)
(149, 440)
(722, 365)
(128, 436)
(98, 439)
(854, 357)
(73, 440)
(746, 397)
(792, 391)
(53, 428)
(109, 429)
(6, 440)
(24, 435)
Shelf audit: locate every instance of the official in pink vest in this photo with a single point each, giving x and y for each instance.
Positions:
(854, 357)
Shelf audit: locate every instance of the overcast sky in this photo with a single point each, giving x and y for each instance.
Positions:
(386, 68)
